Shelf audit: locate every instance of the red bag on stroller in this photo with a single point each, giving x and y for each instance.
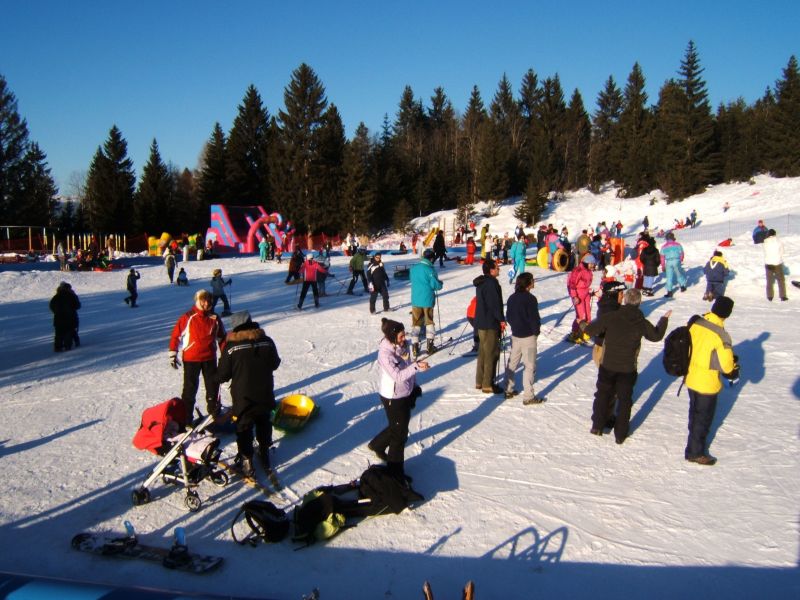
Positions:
(159, 423)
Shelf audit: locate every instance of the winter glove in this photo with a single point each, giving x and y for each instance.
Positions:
(173, 359)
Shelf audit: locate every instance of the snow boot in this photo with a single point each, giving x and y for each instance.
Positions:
(431, 347)
(415, 349)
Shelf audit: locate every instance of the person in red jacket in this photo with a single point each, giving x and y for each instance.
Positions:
(579, 286)
(309, 272)
(471, 248)
(198, 332)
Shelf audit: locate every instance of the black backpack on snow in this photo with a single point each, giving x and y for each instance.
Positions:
(385, 490)
(267, 522)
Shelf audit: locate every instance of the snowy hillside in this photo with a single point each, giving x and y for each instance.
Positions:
(520, 499)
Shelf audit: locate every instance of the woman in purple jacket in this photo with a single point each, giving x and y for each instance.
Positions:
(399, 392)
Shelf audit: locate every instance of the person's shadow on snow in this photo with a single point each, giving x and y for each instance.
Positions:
(752, 361)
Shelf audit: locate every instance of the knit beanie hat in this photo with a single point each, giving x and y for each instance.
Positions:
(723, 307)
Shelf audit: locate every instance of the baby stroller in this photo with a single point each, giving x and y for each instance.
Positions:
(190, 453)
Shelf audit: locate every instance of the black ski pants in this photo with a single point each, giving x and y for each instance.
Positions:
(191, 383)
(304, 291)
(611, 385)
(373, 297)
(356, 275)
(259, 418)
(394, 436)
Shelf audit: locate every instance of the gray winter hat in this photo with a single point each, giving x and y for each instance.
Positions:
(240, 318)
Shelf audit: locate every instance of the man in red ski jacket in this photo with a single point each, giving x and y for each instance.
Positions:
(198, 332)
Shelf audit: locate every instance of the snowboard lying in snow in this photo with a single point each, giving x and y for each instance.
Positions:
(177, 557)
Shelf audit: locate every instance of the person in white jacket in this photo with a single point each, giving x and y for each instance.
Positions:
(773, 265)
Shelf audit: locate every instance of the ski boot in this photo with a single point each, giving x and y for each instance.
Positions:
(431, 347)
(415, 350)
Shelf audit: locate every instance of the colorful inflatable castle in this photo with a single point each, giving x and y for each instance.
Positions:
(241, 228)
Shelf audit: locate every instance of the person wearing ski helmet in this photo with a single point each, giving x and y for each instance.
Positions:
(424, 285)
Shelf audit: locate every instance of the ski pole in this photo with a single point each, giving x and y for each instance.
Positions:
(558, 321)
(459, 337)
(230, 295)
(439, 314)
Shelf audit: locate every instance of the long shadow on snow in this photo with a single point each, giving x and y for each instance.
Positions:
(8, 450)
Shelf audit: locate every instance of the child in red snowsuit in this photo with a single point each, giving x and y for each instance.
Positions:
(579, 286)
(471, 248)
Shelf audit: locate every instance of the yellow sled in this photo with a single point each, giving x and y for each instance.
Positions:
(542, 257)
(293, 412)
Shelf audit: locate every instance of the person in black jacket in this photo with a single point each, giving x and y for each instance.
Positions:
(133, 292)
(64, 306)
(439, 248)
(379, 282)
(650, 258)
(489, 321)
(522, 314)
(623, 330)
(249, 360)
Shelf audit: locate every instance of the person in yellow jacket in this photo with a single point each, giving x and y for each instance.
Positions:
(712, 355)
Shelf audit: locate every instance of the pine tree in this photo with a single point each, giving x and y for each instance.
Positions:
(701, 155)
(388, 180)
(785, 154)
(213, 186)
(535, 149)
(734, 124)
(577, 132)
(554, 130)
(472, 128)
(27, 190)
(635, 127)
(190, 213)
(604, 152)
(246, 166)
(297, 152)
(441, 153)
(401, 216)
(508, 133)
(37, 200)
(671, 122)
(358, 193)
(409, 151)
(110, 187)
(154, 197)
(327, 177)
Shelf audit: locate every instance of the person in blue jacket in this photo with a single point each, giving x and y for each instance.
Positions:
(517, 256)
(424, 285)
(671, 262)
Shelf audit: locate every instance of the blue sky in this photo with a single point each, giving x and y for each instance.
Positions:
(169, 70)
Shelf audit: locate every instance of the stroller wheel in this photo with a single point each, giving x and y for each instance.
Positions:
(219, 478)
(193, 502)
(140, 496)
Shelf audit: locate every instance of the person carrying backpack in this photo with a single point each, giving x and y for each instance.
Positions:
(711, 355)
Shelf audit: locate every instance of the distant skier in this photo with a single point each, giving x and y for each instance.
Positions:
(133, 293)
(579, 285)
(672, 263)
(218, 284)
(379, 283)
(169, 263)
(716, 271)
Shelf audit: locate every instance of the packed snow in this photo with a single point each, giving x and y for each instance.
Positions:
(520, 499)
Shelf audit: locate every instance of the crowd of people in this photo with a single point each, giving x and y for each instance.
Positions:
(248, 357)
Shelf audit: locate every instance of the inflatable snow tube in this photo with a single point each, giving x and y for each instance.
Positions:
(542, 257)
(560, 260)
(293, 412)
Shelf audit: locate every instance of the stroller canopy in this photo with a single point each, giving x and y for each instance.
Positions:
(155, 422)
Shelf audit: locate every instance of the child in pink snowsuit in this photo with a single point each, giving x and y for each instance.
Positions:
(579, 286)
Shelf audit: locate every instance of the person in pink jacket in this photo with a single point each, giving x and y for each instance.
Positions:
(579, 286)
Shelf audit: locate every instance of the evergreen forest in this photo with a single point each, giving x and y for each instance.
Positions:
(535, 142)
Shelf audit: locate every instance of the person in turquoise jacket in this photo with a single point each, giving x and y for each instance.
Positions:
(517, 256)
(671, 262)
(424, 285)
(262, 249)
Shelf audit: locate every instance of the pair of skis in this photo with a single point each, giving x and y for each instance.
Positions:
(177, 557)
(274, 483)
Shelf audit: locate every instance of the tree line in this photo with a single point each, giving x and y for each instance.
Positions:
(532, 144)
